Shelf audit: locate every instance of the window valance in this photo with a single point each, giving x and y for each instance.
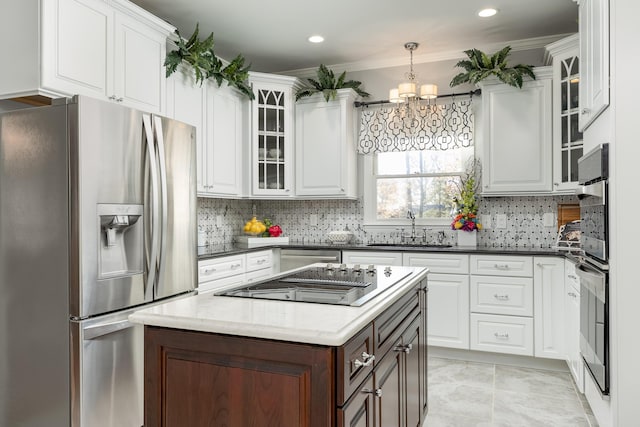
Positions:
(430, 127)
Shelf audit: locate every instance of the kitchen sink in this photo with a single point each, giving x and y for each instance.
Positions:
(410, 245)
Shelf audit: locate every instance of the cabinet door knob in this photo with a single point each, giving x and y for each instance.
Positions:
(367, 360)
(584, 111)
(377, 392)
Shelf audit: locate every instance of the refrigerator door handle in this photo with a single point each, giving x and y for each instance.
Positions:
(163, 189)
(97, 331)
(152, 262)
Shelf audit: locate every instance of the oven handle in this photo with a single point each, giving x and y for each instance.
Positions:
(594, 281)
(596, 191)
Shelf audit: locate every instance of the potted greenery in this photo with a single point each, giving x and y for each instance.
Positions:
(328, 85)
(200, 56)
(479, 66)
(465, 219)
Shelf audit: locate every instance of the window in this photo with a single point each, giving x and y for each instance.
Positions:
(420, 181)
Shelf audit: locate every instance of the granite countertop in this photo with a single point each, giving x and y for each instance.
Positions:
(301, 322)
(213, 251)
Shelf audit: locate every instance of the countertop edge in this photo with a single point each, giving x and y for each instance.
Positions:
(216, 251)
(171, 315)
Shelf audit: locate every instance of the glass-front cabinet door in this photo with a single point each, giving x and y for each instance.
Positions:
(571, 142)
(272, 141)
(567, 138)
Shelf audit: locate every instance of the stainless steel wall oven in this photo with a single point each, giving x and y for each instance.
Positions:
(593, 174)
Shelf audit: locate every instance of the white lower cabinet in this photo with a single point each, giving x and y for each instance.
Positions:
(549, 307)
(448, 310)
(502, 334)
(502, 295)
(448, 300)
(502, 304)
(367, 257)
(572, 324)
(229, 271)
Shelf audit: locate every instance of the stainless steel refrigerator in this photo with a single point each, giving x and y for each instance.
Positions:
(97, 216)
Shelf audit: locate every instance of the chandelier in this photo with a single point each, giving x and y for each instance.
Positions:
(409, 93)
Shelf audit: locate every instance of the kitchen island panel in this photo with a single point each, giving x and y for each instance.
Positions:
(255, 382)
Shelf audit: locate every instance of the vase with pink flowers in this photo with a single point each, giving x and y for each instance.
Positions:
(465, 219)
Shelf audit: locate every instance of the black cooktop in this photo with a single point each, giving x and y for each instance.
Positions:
(330, 284)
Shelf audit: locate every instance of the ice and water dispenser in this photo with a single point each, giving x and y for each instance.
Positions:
(121, 249)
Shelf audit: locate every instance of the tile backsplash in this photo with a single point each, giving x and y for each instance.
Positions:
(222, 219)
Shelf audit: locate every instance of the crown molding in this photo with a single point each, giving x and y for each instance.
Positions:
(516, 45)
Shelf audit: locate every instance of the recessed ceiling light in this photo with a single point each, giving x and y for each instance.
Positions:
(485, 13)
(316, 39)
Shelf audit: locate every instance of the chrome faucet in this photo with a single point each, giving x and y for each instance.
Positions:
(412, 217)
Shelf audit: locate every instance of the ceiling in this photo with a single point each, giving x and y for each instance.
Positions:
(360, 34)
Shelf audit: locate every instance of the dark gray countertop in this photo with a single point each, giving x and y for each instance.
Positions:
(213, 251)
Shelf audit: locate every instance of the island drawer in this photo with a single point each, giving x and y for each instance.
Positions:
(354, 363)
(388, 327)
(502, 295)
(502, 265)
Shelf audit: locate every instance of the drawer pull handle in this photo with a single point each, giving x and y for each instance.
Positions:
(261, 261)
(377, 392)
(404, 348)
(367, 360)
(571, 276)
(501, 266)
(499, 297)
(573, 295)
(234, 266)
(209, 270)
(503, 336)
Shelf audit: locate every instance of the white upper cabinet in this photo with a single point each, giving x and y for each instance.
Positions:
(224, 140)
(107, 49)
(138, 61)
(593, 24)
(272, 133)
(325, 146)
(186, 101)
(516, 136)
(219, 115)
(567, 138)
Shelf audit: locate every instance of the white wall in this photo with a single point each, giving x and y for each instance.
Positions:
(378, 82)
(625, 202)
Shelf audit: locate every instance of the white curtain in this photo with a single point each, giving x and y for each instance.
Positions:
(430, 127)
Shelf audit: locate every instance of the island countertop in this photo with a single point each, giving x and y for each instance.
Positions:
(301, 322)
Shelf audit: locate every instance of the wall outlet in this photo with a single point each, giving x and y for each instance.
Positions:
(218, 221)
(501, 221)
(313, 220)
(548, 219)
(485, 220)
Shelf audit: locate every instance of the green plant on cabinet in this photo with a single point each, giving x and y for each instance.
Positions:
(200, 55)
(328, 85)
(479, 66)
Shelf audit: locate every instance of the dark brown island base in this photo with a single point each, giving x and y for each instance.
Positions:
(378, 377)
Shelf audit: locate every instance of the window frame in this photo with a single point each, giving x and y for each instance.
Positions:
(370, 196)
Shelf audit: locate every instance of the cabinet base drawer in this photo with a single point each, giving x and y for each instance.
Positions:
(502, 334)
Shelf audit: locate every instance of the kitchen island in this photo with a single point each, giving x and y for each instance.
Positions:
(212, 360)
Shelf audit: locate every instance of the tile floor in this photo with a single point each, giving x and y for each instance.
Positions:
(470, 394)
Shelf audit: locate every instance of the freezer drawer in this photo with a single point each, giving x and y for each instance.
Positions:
(107, 372)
